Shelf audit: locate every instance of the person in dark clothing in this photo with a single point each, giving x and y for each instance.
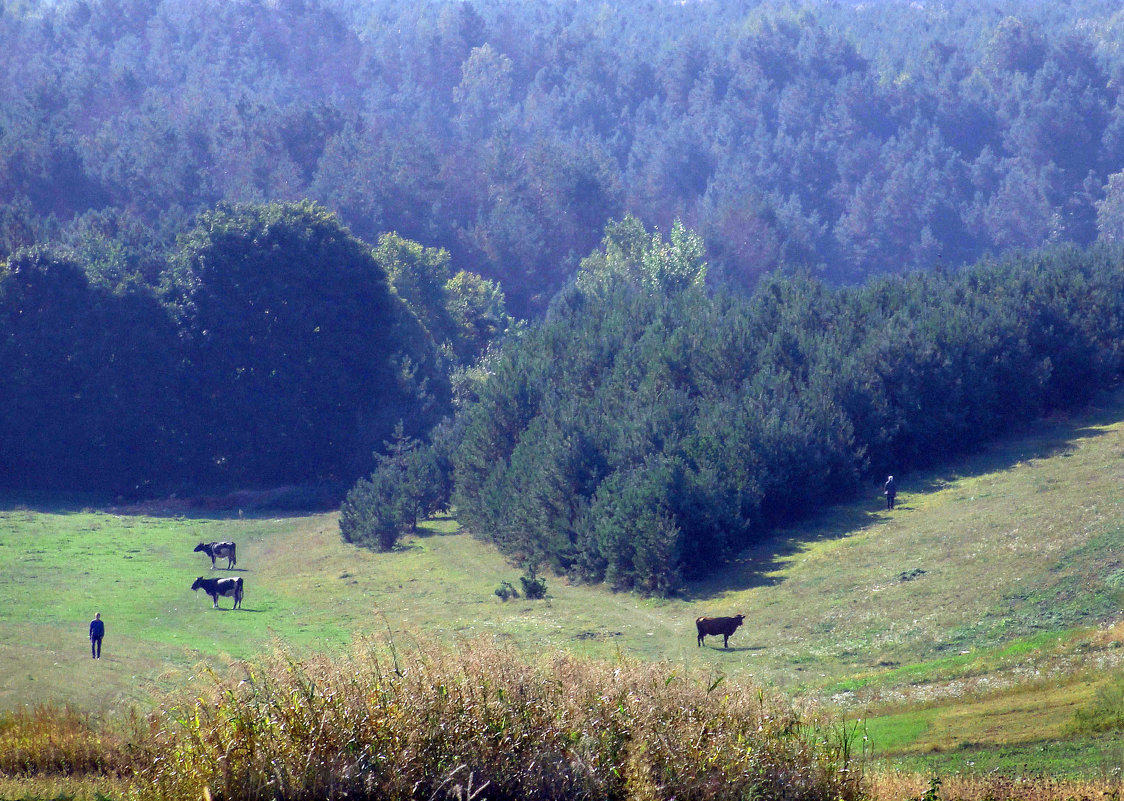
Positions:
(890, 491)
(97, 631)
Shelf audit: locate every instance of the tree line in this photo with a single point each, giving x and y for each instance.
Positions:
(855, 138)
(269, 346)
(647, 429)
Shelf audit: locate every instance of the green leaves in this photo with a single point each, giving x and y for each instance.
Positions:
(274, 352)
(409, 482)
(632, 256)
(296, 340)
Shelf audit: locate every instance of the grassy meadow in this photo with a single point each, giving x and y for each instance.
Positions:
(971, 629)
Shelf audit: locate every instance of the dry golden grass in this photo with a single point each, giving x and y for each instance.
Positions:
(63, 788)
(482, 718)
(61, 741)
(893, 786)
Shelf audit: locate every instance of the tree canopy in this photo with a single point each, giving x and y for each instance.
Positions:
(851, 138)
(270, 347)
(648, 430)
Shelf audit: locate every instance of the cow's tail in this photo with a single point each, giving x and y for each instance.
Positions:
(233, 554)
(238, 592)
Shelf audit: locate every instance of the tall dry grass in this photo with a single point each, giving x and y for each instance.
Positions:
(61, 741)
(894, 786)
(481, 721)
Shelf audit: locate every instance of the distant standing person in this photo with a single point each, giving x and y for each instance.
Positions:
(97, 631)
(890, 491)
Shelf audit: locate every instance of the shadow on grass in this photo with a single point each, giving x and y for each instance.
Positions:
(758, 564)
(437, 526)
(735, 649)
(278, 502)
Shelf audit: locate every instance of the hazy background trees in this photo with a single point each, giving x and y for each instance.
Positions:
(853, 138)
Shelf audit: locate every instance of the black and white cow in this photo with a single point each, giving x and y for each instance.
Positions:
(221, 550)
(220, 586)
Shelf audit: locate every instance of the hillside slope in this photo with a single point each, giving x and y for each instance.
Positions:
(980, 568)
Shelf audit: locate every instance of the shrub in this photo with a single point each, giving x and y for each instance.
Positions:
(371, 514)
(506, 592)
(533, 588)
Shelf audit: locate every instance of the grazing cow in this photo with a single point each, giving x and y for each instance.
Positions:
(718, 625)
(220, 586)
(222, 550)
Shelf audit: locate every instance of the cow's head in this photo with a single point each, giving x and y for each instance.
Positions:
(198, 583)
(200, 547)
(739, 618)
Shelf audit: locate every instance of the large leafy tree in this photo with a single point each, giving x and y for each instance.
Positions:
(302, 359)
(89, 387)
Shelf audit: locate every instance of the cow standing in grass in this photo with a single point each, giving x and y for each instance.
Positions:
(221, 550)
(718, 625)
(220, 586)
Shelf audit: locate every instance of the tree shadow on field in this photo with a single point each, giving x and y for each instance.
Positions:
(759, 564)
(442, 524)
(65, 503)
(278, 502)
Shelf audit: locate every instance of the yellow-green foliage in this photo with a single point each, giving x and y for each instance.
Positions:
(1105, 712)
(481, 719)
(59, 741)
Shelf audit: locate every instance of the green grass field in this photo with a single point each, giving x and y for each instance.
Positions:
(971, 621)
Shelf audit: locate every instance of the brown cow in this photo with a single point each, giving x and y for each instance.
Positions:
(718, 625)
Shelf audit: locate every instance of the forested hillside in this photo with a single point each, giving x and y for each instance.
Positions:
(254, 243)
(855, 138)
(647, 430)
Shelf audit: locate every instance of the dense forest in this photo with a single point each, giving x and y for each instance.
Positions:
(648, 430)
(760, 249)
(855, 138)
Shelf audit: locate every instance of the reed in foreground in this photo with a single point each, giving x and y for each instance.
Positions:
(481, 721)
(64, 742)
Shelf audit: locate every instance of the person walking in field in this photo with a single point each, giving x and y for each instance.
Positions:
(97, 631)
(890, 491)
